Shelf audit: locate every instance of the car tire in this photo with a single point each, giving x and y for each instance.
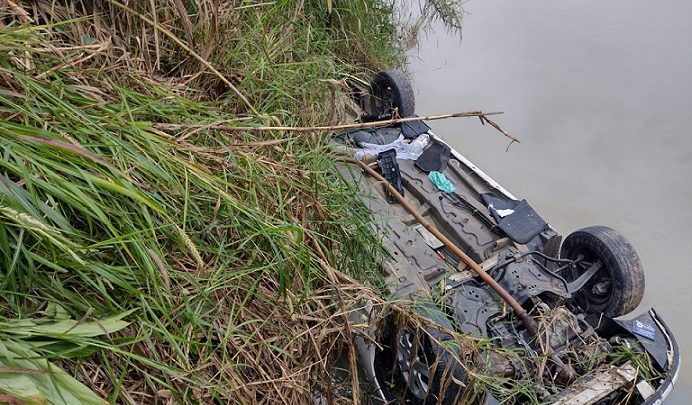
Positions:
(617, 288)
(392, 91)
(422, 372)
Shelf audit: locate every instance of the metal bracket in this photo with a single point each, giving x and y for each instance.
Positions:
(577, 284)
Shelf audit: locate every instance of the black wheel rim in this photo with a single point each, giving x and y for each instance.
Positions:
(386, 100)
(413, 365)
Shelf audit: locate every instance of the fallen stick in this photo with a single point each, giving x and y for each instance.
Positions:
(221, 127)
(493, 124)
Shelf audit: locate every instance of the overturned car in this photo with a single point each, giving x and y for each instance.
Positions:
(544, 311)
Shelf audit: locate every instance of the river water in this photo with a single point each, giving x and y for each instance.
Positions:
(600, 94)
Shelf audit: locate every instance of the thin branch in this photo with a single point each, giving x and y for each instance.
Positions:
(493, 124)
(21, 13)
(220, 127)
(77, 61)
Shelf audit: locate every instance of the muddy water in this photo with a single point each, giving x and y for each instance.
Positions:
(600, 93)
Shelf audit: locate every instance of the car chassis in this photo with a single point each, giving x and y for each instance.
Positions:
(577, 287)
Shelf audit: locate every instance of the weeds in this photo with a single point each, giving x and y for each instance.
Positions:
(216, 246)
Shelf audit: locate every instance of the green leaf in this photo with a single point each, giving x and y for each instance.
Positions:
(57, 312)
(36, 381)
(66, 327)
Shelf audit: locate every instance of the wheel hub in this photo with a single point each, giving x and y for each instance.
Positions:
(413, 365)
(601, 289)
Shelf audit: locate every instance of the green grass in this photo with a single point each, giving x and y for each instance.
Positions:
(216, 245)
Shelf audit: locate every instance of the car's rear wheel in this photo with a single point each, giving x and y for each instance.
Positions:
(392, 95)
(415, 369)
(617, 287)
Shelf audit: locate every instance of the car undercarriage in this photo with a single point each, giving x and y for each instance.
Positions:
(543, 320)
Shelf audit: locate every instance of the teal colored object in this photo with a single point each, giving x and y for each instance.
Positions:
(441, 182)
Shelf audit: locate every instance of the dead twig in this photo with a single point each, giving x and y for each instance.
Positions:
(266, 3)
(493, 124)
(21, 13)
(481, 114)
(355, 388)
(77, 61)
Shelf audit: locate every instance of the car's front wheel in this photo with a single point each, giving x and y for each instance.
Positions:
(418, 369)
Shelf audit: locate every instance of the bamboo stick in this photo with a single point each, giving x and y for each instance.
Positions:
(231, 128)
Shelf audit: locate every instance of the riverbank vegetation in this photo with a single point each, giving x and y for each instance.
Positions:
(151, 255)
(153, 252)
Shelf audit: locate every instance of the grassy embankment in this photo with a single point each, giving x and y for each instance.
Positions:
(150, 255)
